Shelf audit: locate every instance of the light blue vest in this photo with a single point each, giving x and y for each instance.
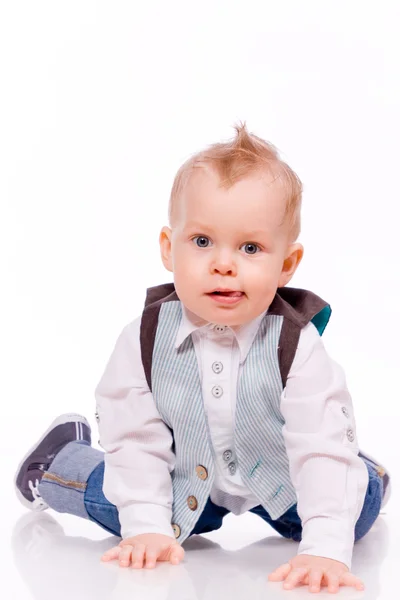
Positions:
(258, 441)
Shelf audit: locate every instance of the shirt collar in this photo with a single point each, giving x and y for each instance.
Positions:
(244, 334)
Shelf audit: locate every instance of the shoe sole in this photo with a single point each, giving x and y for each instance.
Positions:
(61, 420)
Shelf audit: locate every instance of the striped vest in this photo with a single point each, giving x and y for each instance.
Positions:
(173, 377)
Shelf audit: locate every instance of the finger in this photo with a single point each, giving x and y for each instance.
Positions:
(315, 578)
(111, 554)
(295, 576)
(333, 582)
(138, 556)
(352, 580)
(125, 556)
(151, 557)
(280, 573)
(177, 554)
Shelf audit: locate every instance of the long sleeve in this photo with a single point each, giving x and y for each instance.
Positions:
(137, 443)
(321, 442)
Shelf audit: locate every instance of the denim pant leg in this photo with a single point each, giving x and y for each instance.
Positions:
(99, 509)
(105, 514)
(74, 484)
(210, 519)
(289, 524)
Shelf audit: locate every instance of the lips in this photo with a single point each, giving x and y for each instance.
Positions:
(229, 293)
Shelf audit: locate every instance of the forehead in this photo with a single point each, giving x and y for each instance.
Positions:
(257, 201)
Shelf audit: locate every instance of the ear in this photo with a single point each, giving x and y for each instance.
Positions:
(165, 248)
(292, 260)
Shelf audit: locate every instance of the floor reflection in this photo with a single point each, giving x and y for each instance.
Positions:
(54, 564)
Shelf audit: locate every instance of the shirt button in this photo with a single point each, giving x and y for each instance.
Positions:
(345, 411)
(217, 367)
(177, 530)
(192, 502)
(227, 455)
(96, 416)
(217, 391)
(220, 328)
(350, 435)
(202, 472)
(232, 468)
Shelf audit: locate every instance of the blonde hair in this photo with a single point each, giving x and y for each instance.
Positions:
(235, 160)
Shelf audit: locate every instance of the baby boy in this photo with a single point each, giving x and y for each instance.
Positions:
(220, 397)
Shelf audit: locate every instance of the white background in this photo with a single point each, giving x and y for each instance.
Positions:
(100, 104)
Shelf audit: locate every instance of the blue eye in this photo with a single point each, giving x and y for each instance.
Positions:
(253, 246)
(201, 237)
(202, 242)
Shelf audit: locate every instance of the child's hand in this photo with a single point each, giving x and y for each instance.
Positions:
(150, 546)
(310, 570)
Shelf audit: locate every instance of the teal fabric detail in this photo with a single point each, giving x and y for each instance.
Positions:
(321, 319)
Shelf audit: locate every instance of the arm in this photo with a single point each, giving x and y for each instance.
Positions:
(137, 443)
(329, 477)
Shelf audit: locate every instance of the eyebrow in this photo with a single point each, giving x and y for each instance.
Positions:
(200, 226)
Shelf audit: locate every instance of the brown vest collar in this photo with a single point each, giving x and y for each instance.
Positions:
(297, 306)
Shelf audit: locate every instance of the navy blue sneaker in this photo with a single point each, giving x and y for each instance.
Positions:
(66, 428)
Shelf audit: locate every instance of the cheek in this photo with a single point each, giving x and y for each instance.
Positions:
(263, 277)
(259, 271)
(186, 259)
(181, 261)
(185, 268)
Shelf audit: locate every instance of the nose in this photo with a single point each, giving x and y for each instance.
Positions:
(223, 263)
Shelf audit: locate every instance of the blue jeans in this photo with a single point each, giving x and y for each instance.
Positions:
(74, 484)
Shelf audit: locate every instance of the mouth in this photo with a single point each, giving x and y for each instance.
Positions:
(225, 297)
(227, 293)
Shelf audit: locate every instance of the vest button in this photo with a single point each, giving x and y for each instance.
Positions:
(202, 472)
(177, 530)
(192, 502)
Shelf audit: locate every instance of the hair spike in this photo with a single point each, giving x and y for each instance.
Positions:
(236, 159)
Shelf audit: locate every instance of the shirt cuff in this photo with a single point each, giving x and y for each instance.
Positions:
(328, 538)
(142, 518)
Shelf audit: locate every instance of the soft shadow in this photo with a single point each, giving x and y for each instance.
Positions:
(55, 565)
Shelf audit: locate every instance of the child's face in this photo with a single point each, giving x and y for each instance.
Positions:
(234, 239)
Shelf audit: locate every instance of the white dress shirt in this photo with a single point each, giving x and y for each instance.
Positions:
(319, 432)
